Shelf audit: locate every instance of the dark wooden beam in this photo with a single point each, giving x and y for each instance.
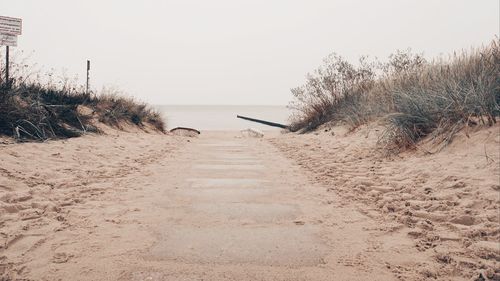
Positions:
(272, 124)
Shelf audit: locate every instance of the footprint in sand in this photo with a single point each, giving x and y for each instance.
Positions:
(61, 257)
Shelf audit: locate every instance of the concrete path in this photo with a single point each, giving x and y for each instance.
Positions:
(236, 209)
(241, 211)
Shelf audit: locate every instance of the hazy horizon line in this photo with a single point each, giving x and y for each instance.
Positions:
(285, 105)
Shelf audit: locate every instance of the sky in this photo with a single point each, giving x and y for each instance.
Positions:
(231, 51)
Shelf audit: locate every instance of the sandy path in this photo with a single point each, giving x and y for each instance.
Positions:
(221, 207)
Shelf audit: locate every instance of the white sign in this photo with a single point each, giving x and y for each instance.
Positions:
(10, 26)
(8, 40)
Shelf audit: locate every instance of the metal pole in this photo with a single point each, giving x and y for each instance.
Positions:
(7, 66)
(88, 76)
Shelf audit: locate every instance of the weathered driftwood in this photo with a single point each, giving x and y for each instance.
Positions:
(185, 129)
(272, 124)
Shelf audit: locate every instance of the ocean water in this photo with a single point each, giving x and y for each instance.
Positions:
(223, 117)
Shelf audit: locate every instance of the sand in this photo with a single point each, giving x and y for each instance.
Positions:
(446, 201)
(136, 206)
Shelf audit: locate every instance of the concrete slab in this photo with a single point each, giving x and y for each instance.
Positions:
(249, 212)
(225, 182)
(292, 246)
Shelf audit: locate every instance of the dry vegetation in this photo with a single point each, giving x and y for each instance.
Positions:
(413, 97)
(31, 110)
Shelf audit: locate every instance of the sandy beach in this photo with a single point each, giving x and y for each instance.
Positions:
(250, 140)
(136, 206)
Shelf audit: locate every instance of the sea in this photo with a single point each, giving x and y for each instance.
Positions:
(223, 117)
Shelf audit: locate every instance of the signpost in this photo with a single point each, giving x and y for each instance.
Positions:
(10, 28)
(88, 77)
(8, 40)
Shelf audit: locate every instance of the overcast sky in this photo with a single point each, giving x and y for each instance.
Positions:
(235, 52)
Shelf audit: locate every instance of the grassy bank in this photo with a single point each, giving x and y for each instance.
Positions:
(30, 110)
(414, 98)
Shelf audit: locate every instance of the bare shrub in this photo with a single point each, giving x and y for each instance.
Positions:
(335, 85)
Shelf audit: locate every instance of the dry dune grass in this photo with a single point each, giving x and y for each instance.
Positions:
(112, 109)
(414, 97)
(30, 110)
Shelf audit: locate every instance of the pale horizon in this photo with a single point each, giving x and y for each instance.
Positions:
(234, 53)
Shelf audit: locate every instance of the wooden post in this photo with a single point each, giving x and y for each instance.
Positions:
(7, 81)
(88, 76)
